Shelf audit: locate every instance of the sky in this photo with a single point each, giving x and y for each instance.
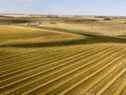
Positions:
(65, 7)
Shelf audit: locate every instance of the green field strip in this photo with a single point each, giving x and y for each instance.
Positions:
(76, 87)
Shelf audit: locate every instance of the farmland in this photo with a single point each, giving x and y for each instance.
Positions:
(62, 56)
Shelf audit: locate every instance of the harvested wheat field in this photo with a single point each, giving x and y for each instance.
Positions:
(97, 69)
(53, 61)
(59, 57)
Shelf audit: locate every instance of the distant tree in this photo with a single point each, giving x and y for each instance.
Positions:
(107, 18)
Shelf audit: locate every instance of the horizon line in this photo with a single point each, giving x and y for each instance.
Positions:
(54, 14)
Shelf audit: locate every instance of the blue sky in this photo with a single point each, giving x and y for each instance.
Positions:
(65, 7)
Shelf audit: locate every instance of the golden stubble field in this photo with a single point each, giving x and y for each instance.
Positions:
(60, 59)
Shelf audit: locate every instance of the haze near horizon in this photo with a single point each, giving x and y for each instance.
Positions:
(65, 7)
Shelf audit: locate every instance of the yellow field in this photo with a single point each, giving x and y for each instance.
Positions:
(24, 35)
(112, 28)
(54, 60)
